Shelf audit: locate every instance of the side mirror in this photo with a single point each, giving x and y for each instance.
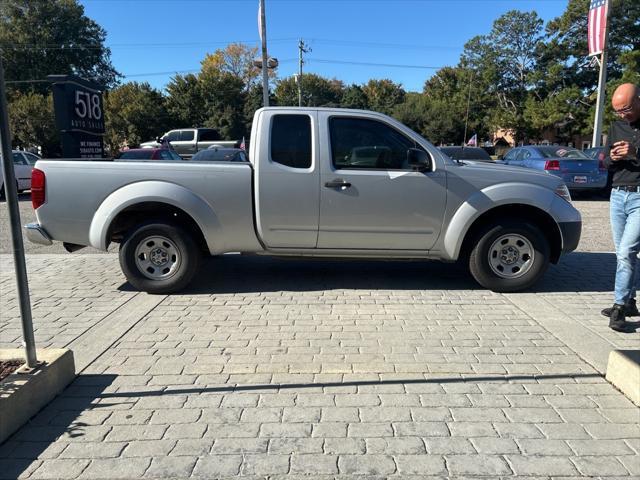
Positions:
(419, 160)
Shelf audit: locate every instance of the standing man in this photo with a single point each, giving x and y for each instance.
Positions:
(624, 163)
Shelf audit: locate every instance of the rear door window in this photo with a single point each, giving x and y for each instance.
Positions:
(291, 140)
(186, 135)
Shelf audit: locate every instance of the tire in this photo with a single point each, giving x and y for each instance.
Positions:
(509, 256)
(159, 258)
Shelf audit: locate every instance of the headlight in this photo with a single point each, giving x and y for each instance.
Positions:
(563, 191)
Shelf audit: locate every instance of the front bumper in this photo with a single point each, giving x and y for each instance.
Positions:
(36, 234)
(570, 232)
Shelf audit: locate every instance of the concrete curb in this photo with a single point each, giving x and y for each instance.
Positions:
(22, 395)
(623, 371)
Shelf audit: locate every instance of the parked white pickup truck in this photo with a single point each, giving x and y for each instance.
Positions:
(321, 182)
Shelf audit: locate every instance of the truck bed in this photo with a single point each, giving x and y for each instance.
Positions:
(75, 191)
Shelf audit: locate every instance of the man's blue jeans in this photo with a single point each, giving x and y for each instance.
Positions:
(625, 226)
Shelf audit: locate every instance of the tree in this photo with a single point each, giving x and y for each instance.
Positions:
(45, 37)
(504, 62)
(185, 101)
(354, 97)
(237, 60)
(317, 91)
(383, 95)
(134, 112)
(223, 103)
(566, 51)
(32, 122)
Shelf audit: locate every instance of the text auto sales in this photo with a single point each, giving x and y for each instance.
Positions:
(88, 124)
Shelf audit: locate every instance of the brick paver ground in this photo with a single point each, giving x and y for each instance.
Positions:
(276, 368)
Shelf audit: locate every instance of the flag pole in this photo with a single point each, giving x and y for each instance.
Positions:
(602, 86)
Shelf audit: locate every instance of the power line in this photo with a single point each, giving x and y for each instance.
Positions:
(371, 64)
(88, 46)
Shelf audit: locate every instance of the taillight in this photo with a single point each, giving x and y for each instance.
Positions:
(601, 166)
(38, 182)
(552, 165)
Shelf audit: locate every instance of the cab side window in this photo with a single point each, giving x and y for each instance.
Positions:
(360, 143)
(291, 140)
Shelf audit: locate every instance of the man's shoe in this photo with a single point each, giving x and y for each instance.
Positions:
(617, 321)
(630, 309)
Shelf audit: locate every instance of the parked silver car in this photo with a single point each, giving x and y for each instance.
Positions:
(23, 162)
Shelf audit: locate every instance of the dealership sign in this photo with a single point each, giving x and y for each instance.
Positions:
(79, 116)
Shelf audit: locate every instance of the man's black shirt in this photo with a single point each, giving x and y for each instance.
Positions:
(625, 172)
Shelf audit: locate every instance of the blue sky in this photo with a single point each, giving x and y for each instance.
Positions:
(153, 36)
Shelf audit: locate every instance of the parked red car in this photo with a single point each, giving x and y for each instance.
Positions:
(148, 154)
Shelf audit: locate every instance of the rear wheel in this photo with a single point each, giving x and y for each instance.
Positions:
(159, 258)
(509, 256)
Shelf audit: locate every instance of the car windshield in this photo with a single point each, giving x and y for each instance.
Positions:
(145, 154)
(561, 152)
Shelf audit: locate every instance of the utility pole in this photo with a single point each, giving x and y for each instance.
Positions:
(302, 48)
(265, 68)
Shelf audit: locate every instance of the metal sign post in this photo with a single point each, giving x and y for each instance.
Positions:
(11, 194)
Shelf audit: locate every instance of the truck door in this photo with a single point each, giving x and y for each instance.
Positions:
(369, 197)
(287, 179)
(186, 143)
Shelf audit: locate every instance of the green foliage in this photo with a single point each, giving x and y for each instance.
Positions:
(354, 97)
(317, 91)
(134, 113)
(32, 122)
(47, 37)
(383, 95)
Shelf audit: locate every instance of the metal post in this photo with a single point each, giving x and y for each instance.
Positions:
(11, 194)
(265, 67)
(466, 119)
(602, 85)
(300, 48)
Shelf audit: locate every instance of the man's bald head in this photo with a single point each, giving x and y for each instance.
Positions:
(626, 101)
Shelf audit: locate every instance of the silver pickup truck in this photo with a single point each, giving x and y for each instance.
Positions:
(321, 182)
(189, 141)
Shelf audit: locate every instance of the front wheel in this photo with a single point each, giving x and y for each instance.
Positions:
(159, 258)
(509, 256)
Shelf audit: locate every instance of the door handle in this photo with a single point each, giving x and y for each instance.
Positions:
(337, 183)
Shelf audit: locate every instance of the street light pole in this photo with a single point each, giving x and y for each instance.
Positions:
(265, 67)
(11, 194)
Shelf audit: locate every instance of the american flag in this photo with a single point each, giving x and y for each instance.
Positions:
(597, 26)
(473, 141)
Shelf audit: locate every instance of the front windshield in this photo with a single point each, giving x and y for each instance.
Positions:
(561, 152)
